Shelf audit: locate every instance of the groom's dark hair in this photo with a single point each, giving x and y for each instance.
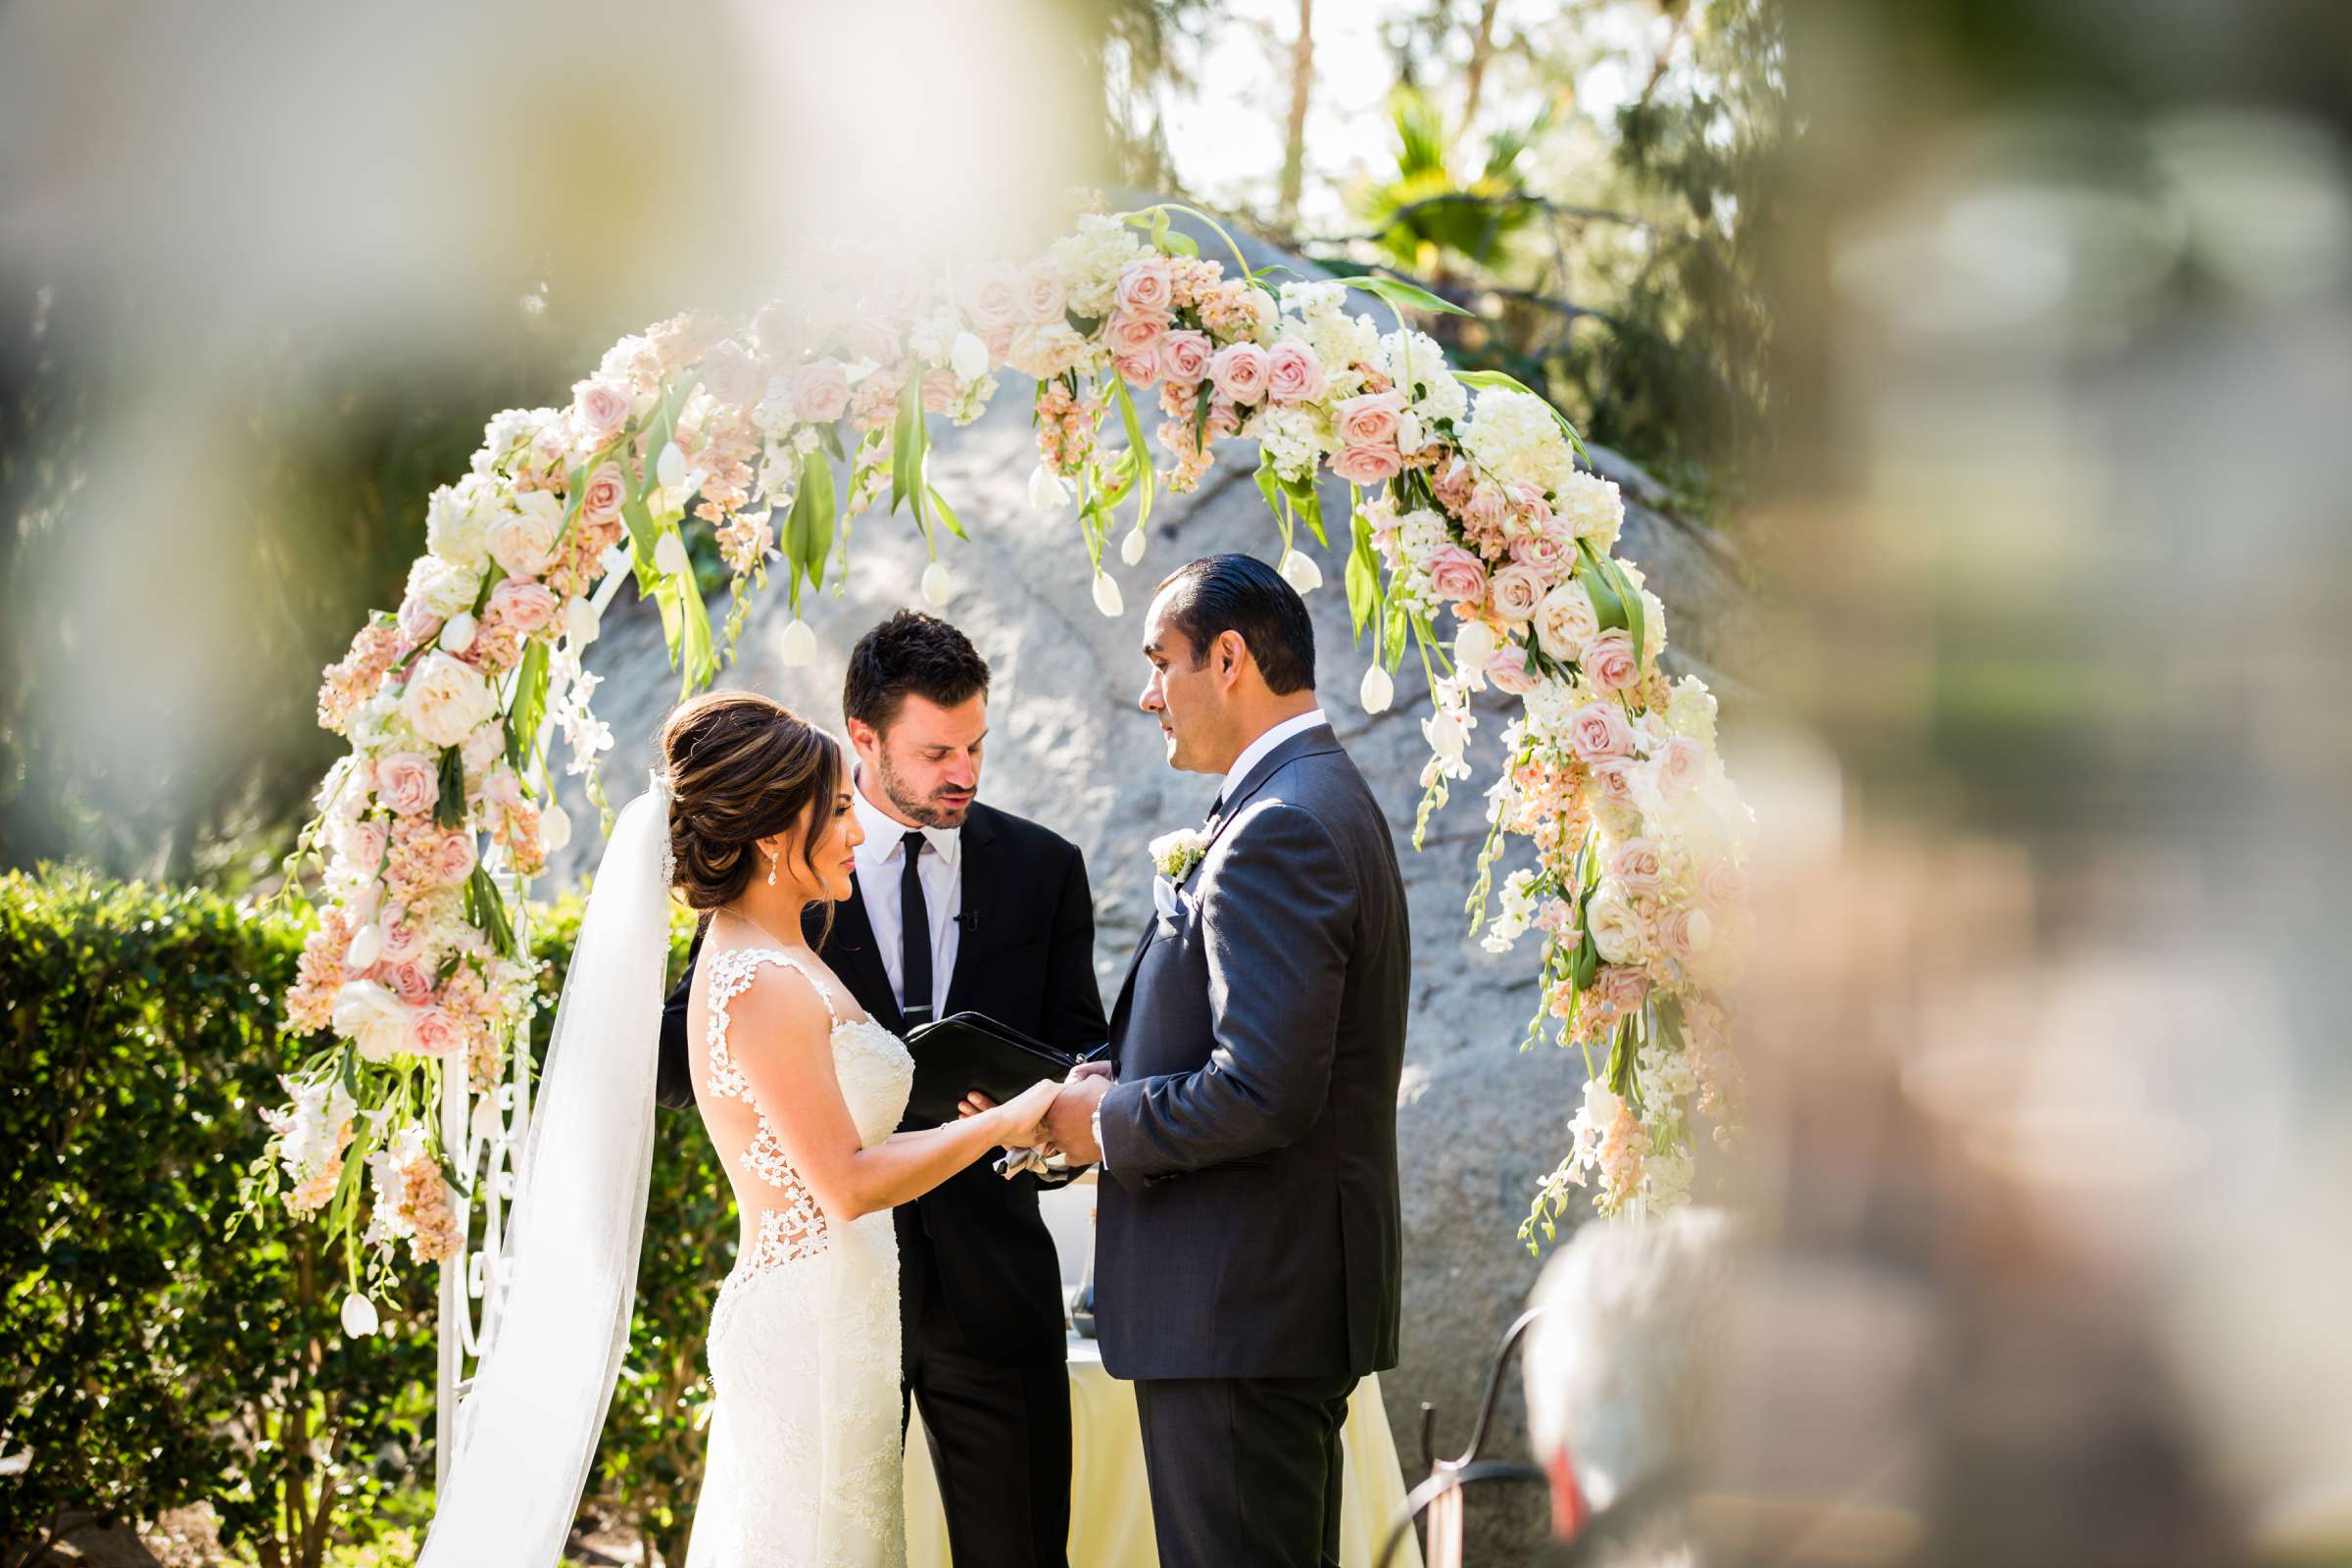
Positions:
(911, 653)
(1218, 594)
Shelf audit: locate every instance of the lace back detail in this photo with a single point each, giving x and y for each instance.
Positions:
(793, 1228)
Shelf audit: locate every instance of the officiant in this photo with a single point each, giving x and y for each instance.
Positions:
(958, 907)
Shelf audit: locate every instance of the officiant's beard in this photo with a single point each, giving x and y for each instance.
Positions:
(922, 811)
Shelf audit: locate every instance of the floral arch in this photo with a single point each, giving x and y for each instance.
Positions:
(1464, 499)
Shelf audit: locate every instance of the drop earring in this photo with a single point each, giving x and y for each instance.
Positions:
(772, 870)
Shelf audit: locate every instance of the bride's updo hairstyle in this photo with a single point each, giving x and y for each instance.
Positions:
(741, 768)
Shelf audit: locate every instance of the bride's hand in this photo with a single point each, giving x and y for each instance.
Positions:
(1022, 1118)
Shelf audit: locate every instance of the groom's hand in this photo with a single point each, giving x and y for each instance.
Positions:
(1070, 1121)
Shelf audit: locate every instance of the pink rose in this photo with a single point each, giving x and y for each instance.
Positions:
(1614, 777)
(1681, 766)
(439, 1034)
(1183, 357)
(1368, 465)
(1635, 865)
(1294, 374)
(1457, 574)
(404, 938)
(1515, 592)
(939, 390)
(869, 337)
(994, 298)
(1240, 371)
(1369, 418)
(1146, 287)
(606, 493)
(408, 782)
(409, 982)
(1723, 886)
(1139, 370)
(1045, 294)
(1547, 555)
(455, 860)
(522, 603)
(1610, 662)
(1674, 935)
(820, 392)
(730, 375)
(364, 844)
(1531, 506)
(599, 407)
(1508, 670)
(1621, 988)
(1485, 508)
(1130, 334)
(1597, 731)
(1455, 482)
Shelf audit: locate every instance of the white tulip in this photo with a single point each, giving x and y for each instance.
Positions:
(1047, 491)
(1131, 548)
(799, 646)
(1410, 436)
(968, 358)
(457, 632)
(1107, 596)
(938, 586)
(1300, 571)
(554, 828)
(366, 946)
(487, 1122)
(1473, 646)
(359, 1316)
(1445, 736)
(1378, 691)
(669, 556)
(581, 622)
(670, 467)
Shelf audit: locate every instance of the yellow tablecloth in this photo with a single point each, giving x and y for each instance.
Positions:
(1110, 1503)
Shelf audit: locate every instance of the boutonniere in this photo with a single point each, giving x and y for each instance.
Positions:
(1174, 855)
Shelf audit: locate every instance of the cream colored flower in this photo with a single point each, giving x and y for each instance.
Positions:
(445, 699)
(1174, 855)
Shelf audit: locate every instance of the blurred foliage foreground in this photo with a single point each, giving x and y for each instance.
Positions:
(162, 1356)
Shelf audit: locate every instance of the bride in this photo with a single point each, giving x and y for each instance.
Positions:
(799, 1093)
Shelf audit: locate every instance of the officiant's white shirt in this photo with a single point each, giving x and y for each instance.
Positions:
(1254, 752)
(881, 863)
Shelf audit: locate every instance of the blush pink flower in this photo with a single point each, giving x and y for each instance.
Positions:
(409, 982)
(1369, 418)
(1613, 776)
(1723, 886)
(1294, 374)
(403, 937)
(1610, 662)
(821, 391)
(939, 389)
(455, 858)
(869, 337)
(1043, 293)
(524, 605)
(599, 407)
(1515, 592)
(1485, 508)
(1597, 731)
(1368, 465)
(1635, 865)
(606, 493)
(1139, 370)
(729, 373)
(1240, 372)
(1457, 574)
(1507, 671)
(1621, 988)
(994, 300)
(408, 782)
(1130, 334)
(1681, 766)
(1547, 555)
(439, 1034)
(1146, 287)
(1183, 357)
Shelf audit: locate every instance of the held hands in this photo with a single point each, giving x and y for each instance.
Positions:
(1064, 1123)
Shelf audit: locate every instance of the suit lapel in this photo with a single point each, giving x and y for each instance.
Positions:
(983, 877)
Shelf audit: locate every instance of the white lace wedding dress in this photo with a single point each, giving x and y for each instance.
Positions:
(803, 1462)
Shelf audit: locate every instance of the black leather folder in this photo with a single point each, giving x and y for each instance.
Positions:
(967, 1051)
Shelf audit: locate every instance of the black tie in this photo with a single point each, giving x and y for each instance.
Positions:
(914, 935)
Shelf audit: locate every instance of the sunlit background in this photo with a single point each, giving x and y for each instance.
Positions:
(2005, 347)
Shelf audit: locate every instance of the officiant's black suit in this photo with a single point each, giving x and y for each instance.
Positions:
(979, 1285)
(1247, 1261)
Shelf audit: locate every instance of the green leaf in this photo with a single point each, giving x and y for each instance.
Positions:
(1310, 502)
(1134, 426)
(1176, 242)
(816, 538)
(1634, 610)
(1201, 412)
(642, 535)
(1585, 963)
(1268, 485)
(1364, 592)
(1083, 325)
(529, 708)
(699, 662)
(1607, 608)
(947, 515)
(902, 438)
(449, 807)
(1393, 637)
(1405, 296)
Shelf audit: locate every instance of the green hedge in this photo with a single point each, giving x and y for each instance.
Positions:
(160, 1353)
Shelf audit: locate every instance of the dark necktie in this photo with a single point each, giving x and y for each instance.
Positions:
(914, 935)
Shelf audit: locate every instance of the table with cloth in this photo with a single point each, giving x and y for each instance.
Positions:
(1110, 1502)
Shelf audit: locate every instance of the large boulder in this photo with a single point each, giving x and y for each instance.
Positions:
(1479, 1120)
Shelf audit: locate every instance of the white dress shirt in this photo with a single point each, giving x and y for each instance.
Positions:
(1256, 752)
(881, 863)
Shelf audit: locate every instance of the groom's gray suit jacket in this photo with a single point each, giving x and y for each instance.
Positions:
(1249, 1214)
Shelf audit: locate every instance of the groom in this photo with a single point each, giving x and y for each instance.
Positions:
(1247, 1257)
(958, 906)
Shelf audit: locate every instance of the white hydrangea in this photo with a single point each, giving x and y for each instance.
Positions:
(1289, 437)
(1302, 296)
(1091, 260)
(1590, 506)
(1691, 710)
(456, 521)
(1417, 360)
(442, 587)
(1514, 437)
(507, 432)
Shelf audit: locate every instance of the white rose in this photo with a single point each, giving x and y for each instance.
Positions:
(523, 539)
(378, 1022)
(1565, 622)
(1047, 489)
(1615, 928)
(446, 700)
(441, 588)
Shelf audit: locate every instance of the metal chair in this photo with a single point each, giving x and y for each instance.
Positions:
(1441, 1496)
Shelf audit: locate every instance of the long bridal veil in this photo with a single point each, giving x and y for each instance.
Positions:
(527, 1431)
